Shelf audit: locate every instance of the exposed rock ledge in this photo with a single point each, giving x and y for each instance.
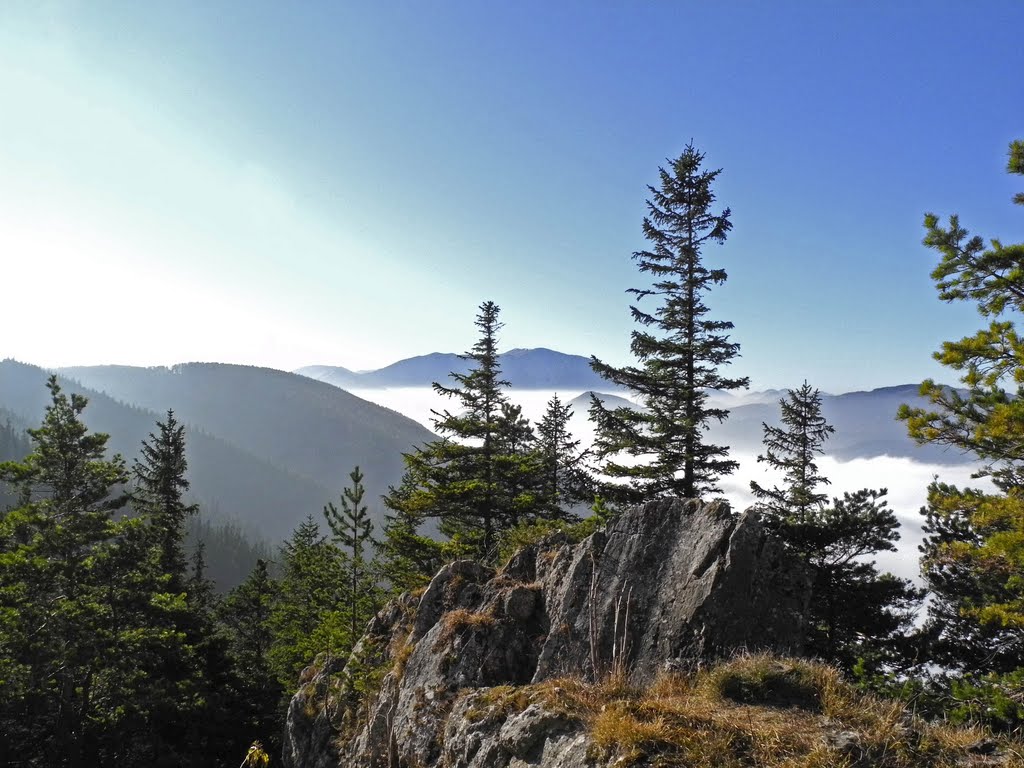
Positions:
(667, 585)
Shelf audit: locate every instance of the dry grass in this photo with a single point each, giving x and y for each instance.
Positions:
(401, 656)
(418, 592)
(757, 710)
(460, 619)
(452, 590)
(547, 556)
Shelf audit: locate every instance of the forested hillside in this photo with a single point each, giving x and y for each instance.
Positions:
(309, 429)
(229, 481)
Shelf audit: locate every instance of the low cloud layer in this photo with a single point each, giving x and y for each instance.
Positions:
(906, 479)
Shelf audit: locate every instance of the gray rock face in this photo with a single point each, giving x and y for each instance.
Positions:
(667, 584)
(482, 736)
(308, 722)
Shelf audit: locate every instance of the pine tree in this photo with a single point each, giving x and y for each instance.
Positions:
(679, 350)
(353, 534)
(955, 521)
(563, 479)
(973, 555)
(792, 450)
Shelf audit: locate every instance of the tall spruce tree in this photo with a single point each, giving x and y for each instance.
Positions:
(680, 350)
(353, 534)
(466, 460)
(187, 689)
(792, 449)
(973, 556)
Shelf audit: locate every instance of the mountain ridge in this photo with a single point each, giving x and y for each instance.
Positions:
(215, 464)
(265, 446)
(308, 427)
(534, 368)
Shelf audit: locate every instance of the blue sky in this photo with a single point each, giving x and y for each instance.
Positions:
(288, 184)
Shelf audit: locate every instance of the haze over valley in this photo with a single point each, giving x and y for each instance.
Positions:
(869, 447)
(267, 448)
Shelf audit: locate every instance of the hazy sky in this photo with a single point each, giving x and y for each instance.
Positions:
(284, 184)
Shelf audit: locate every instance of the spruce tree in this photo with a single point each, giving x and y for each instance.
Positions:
(175, 652)
(680, 350)
(406, 558)
(792, 450)
(63, 571)
(161, 485)
(856, 614)
(516, 466)
(305, 619)
(353, 534)
(475, 479)
(465, 462)
(245, 619)
(563, 479)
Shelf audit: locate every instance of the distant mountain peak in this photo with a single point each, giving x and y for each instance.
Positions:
(536, 368)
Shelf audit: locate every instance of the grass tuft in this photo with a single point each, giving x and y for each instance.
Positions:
(771, 682)
(461, 619)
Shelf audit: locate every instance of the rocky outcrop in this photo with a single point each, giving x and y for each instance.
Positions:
(666, 585)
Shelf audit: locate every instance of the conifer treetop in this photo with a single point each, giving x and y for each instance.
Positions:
(679, 349)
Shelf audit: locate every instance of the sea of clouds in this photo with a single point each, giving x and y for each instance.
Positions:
(906, 479)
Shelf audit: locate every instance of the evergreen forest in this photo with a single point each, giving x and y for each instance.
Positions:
(135, 632)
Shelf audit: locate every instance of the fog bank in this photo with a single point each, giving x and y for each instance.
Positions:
(906, 479)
